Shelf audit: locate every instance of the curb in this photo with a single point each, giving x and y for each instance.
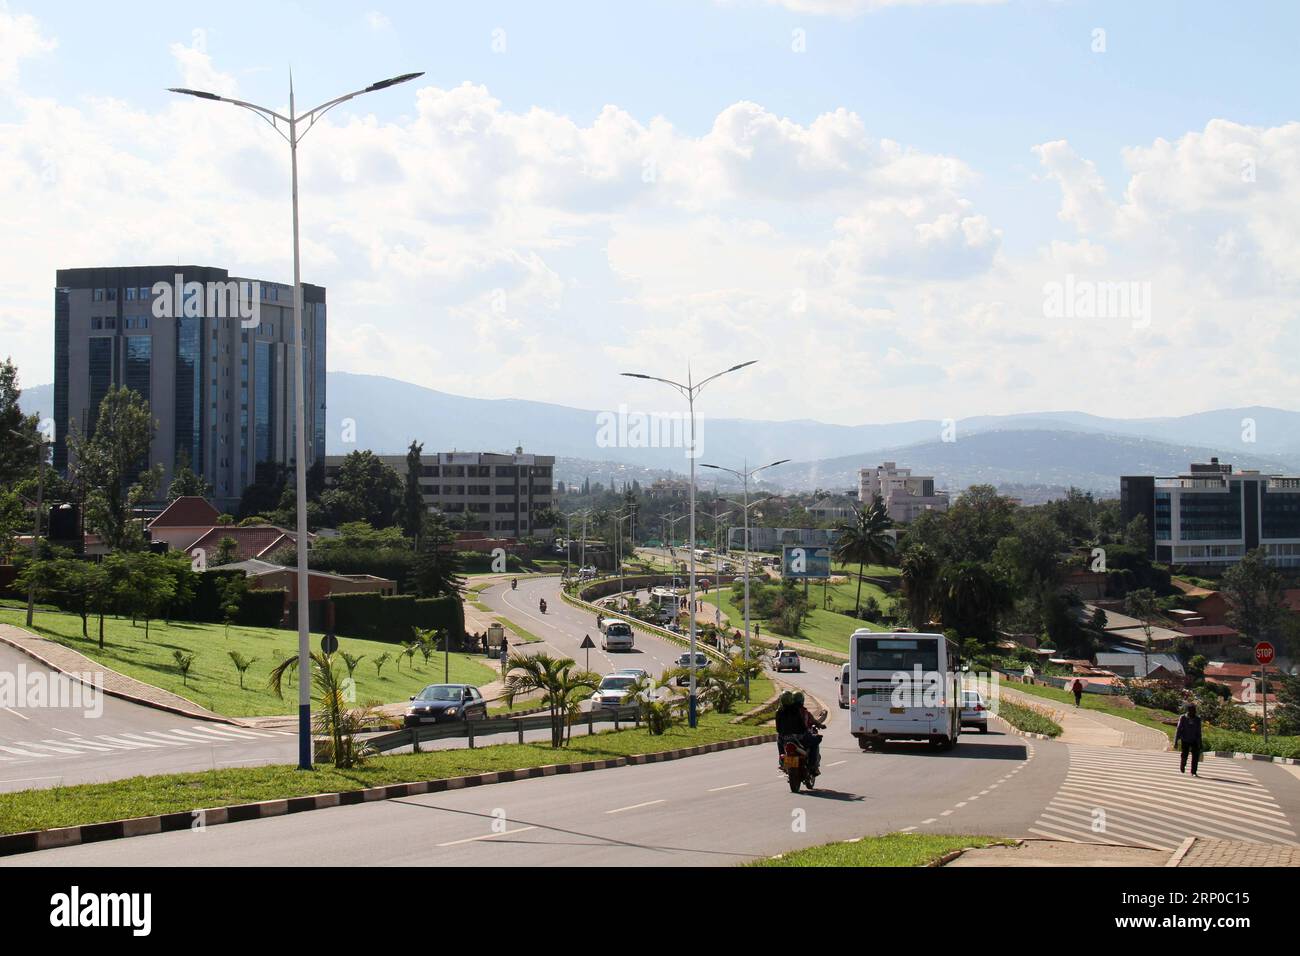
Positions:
(1024, 733)
(1237, 755)
(120, 695)
(1177, 858)
(953, 854)
(32, 840)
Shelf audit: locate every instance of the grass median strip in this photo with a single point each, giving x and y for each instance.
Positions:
(144, 796)
(1028, 719)
(892, 849)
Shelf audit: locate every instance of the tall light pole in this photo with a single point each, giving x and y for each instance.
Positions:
(40, 445)
(690, 390)
(744, 475)
(293, 136)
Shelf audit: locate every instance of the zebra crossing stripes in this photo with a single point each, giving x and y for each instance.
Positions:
(81, 745)
(1138, 798)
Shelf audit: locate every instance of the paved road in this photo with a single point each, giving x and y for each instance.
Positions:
(52, 746)
(735, 806)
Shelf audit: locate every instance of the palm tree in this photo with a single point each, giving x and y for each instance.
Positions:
(920, 572)
(558, 681)
(865, 540)
(332, 718)
(657, 700)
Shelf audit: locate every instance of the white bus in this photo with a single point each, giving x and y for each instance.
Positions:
(903, 686)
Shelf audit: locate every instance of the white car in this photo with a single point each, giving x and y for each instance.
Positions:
(846, 692)
(788, 661)
(616, 635)
(632, 672)
(612, 691)
(974, 712)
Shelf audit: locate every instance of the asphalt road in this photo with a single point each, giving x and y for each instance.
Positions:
(735, 806)
(43, 746)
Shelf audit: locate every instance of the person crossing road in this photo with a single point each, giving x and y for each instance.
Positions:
(1188, 734)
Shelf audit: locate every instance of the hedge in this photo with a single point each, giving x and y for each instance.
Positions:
(262, 608)
(392, 618)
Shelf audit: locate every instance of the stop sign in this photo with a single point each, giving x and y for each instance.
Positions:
(1264, 653)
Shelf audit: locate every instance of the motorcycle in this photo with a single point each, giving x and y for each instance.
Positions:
(796, 761)
(514, 584)
(541, 606)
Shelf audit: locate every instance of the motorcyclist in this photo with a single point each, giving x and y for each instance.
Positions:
(809, 738)
(514, 584)
(789, 722)
(541, 605)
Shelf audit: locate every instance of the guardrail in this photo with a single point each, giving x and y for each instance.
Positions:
(472, 730)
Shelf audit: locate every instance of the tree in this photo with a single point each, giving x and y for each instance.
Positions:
(332, 718)
(183, 664)
(437, 566)
(865, 540)
(147, 586)
(920, 570)
(231, 589)
(556, 678)
(185, 483)
(1137, 535)
(242, 664)
(110, 466)
(1254, 590)
(1143, 605)
(366, 489)
(227, 550)
(380, 661)
(974, 597)
(17, 456)
(413, 509)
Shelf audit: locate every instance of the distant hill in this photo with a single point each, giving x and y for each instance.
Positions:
(1041, 449)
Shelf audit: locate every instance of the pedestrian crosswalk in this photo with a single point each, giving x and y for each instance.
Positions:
(1138, 798)
(69, 745)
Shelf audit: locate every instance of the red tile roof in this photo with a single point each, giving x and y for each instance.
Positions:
(1208, 630)
(256, 541)
(187, 512)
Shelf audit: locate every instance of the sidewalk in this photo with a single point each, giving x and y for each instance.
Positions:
(1081, 726)
(65, 659)
(1195, 851)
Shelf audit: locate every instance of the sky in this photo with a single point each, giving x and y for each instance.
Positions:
(900, 208)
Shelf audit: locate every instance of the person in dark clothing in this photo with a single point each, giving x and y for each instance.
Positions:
(789, 722)
(1077, 690)
(1188, 733)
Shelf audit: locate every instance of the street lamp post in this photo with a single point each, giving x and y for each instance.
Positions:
(744, 476)
(39, 445)
(293, 137)
(690, 390)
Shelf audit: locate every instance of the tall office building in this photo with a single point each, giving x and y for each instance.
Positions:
(1211, 515)
(213, 355)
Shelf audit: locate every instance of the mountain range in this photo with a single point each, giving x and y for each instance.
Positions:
(1055, 449)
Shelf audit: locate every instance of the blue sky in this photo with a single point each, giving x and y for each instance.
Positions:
(979, 84)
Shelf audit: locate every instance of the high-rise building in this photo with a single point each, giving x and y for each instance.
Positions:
(211, 352)
(1211, 515)
(503, 493)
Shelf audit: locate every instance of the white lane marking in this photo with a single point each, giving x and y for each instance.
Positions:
(62, 731)
(946, 813)
(19, 752)
(158, 740)
(487, 836)
(82, 744)
(219, 732)
(929, 821)
(731, 787)
(16, 714)
(836, 763)
(193, 736)
(128, 744)
(907, 829)
(26, 779)
(637, 806)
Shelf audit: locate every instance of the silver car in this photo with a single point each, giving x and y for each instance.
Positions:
(974, 712)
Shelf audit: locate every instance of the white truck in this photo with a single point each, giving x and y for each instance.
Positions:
(616, 635)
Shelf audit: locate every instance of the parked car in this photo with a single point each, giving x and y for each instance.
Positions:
(443, 703)
(788, 661)
(701, 662)
(974, 712)
(846, 692)
(612, 690)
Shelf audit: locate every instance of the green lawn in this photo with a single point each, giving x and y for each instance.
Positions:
(828, 629)
(1215, 739)
(892, 849)
(142, 796)
(213, 681)
(1028, 719)
(870, 570)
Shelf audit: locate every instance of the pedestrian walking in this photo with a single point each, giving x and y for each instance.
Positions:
(1188, 733)
(1077, 690)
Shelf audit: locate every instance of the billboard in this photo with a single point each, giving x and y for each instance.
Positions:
(800, 563)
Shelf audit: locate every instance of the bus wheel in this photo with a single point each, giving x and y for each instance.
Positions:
(864, 743)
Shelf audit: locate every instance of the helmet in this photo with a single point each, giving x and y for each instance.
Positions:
(798, 699)
(787, 698)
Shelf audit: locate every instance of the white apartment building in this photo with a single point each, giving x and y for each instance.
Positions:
(905, 495)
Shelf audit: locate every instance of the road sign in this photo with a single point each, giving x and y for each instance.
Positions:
(329, 644)
(587, 644)
(1264, 653)
(801, 563)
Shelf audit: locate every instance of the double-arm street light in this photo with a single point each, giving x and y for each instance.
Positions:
(292, 129)
(744, 475)
(691, 389)
(41, 446)
(568, 537)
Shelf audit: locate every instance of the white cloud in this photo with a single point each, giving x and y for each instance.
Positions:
(20, 39)
(378, 22)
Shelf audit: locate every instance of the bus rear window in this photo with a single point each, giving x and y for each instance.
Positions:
(894, 654)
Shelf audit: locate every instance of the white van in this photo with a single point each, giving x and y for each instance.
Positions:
(617, 636)
(844, 687)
